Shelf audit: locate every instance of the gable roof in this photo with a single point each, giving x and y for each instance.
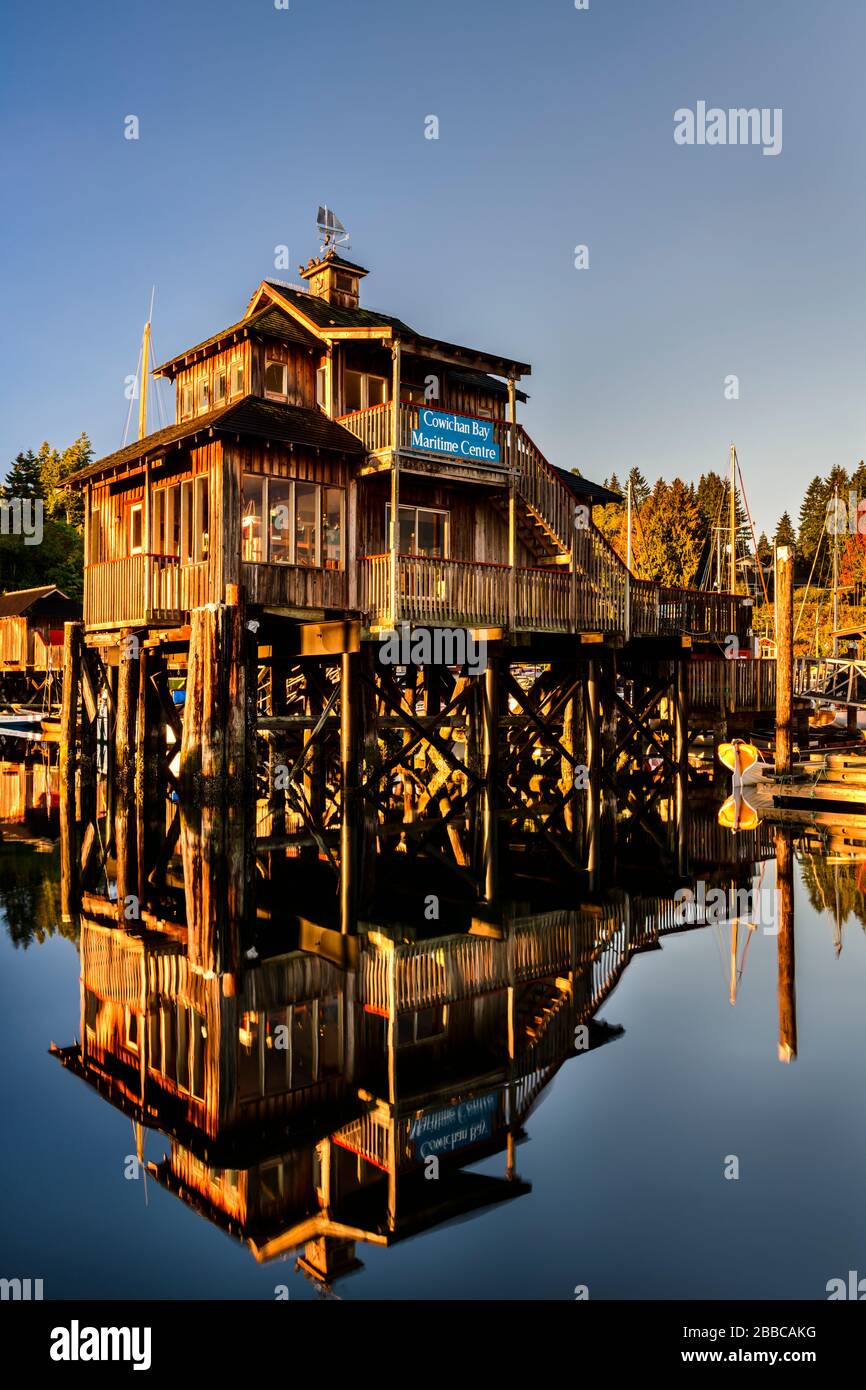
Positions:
(596, 493)
(332, 320)
(268, 322)
(19, 601)
(250, 416)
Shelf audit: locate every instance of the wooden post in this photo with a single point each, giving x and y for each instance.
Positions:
(489, 709)
(349, 663)
(784, 657)
(68, 719)
(128, 676)
(785, 946)
(591, 706)
(395, 480)
(681, 755)
(512, 503)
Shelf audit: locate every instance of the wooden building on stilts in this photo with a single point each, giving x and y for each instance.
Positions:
(334, 477)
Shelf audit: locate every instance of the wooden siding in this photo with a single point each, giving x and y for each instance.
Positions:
(300, 372)
(25, 644)
(208, 368)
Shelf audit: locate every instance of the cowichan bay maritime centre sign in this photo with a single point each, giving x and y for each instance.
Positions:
(438, 432)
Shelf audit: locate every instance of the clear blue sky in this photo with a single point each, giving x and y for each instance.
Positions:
(556, 128)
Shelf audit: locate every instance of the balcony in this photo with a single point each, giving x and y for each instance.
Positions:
(138, 589)
(374, 427)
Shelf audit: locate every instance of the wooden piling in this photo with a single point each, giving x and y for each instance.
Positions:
(785, 946)
(349, 663)
(128, 678)
(784, 657)
(591, 713)
(68, 719)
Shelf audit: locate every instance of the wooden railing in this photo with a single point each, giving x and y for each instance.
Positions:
(733, 686)
(464, 593)
(136, 588)
(604, 597)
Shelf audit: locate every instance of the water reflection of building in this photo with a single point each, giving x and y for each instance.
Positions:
(321, 1090)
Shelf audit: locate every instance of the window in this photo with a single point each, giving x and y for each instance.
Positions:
(95, 535)
(276, 379)
(237, 377)
(289, 1048)
(202, 394)
(185, 402)
(423, 531)
(252, 512)
(158, 522)
(219, 385)
(136, 529)
(361, 390)
(288, 522)
(201, 539)
(306, 524)
(280, 511)
(322, 387)
(172, 520)
(187, 523)
(332, 527)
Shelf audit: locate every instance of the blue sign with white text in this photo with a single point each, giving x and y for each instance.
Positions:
(440, 432)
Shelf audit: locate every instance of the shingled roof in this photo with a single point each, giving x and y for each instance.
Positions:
(269, 322)
(20, 601)
(251, 416)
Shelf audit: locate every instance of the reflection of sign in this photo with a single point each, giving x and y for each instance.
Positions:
(444, 1131)
(439, 432)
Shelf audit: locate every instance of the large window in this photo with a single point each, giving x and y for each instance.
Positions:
(423, 531)
(136, 529)
(361, 390)
(289, 522)
(287, 1049)
(185, 402)
(202, 395)
(181, 520)
(236, 377)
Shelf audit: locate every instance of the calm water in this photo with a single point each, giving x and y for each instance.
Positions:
(617, 1175)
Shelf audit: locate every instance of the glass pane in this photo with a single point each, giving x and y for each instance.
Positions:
(277, 1051)
(202, 394)
(158, 540)
(352, 391)
(202, 543)
(302, 1045)
(172, 520)
(376, 390)
(329, 1038)
(219, 385)
(431, 533)
(332, 528)
(407, 542)
(135, 531)
(280, 521)
(237, 377)
(252, 508)
(306, 523)
(275, 378)
(321, 382)
(249, 1084)
(199, 1036)
(187, 524)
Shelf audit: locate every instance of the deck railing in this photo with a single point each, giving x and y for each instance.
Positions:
(374, 427)
(464, 593)
(732, 687)
(138, 588)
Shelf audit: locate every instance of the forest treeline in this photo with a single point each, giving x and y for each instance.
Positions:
(59, 558)
(680, 530)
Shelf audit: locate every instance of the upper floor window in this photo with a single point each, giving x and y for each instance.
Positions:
(287, 521)
(361, 389)
(202, 394)
(219, 385)
(185, 402)
(322, 387)
(136, 529)
(236, 377)
(276, 379)
(423, 531)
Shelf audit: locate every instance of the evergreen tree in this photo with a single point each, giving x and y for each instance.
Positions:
(671, 534)
(784, 533)
(813, 519)
(640, 489)
(24, 478)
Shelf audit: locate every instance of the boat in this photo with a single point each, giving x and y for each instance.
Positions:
(18, 722)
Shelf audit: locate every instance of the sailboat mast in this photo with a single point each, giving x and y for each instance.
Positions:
(628, 523)
(732, 523)
(142, 394)
(835, 570)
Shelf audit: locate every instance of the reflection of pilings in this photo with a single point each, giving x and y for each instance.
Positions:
(593, 771)
(785, 946)
(489, 701)
(128, 676)
(68, 717)
(681, 756)
(784, 656)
